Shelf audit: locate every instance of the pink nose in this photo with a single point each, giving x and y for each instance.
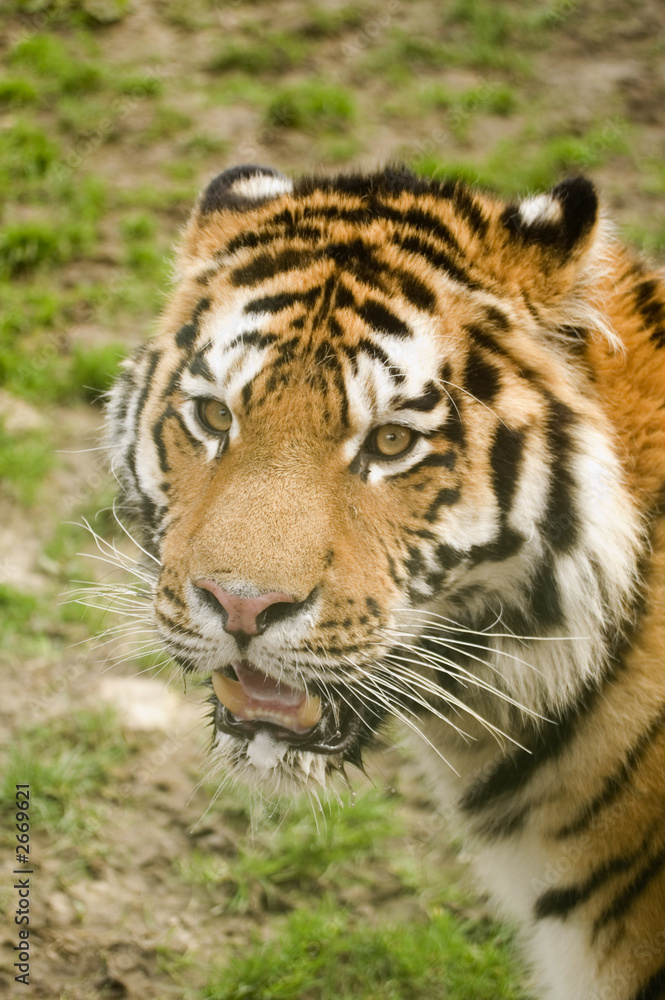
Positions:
(243, 612)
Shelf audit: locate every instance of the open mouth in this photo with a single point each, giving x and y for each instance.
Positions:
(250, 702)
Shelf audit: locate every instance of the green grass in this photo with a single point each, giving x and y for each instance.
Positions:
(303, 863)
(16, 90)
(26, 153)
(323, 22)
(327, 953)
(272, 54)
(314, 106)
(59, 70)
(26, 458)
(298, 851)
(69, 763)
(529, 163)
(73, 12)
(18, 612)
(102, 150)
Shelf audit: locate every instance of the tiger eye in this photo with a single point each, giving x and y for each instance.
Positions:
(392, 439)
(215, 416)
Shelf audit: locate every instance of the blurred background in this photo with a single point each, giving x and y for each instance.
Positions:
(113, 113)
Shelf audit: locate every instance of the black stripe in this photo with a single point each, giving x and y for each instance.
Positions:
(651, 870)
(436, 257)
(425, 403)
(153, 361)
(186, 336)
(376, 315)
(199, 366)
(173, 597)
(560, 523)
(453, 428)
(174, 378)
(170, 413)
(359, 259)
(335, 328)
(446, 497)
(483, 338)
(323, 309)
(201, 306)
(277, 303)
(543, 596)
(654, 988)
(416, 291)
(420, 219)
(560, 902)
(253, 339)
(251, 240)
(345, 298)
(481, 379)
(506, 544)
(433, 461)
(176, 627)
(497, 318)
(466, 206)
(516, 769)
(247, 394)
(373, 350)
(506, 459)
(268, 265)
(616, 782)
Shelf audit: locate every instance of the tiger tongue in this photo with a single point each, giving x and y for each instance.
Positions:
(254, 696)
(259, 687)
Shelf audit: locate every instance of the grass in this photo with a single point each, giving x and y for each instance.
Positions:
(327, 953)
(69, 764)
(314, 106)
(529, 163)
(58, 69)
(102, 150)
(322, 22)
(299, 852)
(18, 612)
(272, 54)
(26, 458)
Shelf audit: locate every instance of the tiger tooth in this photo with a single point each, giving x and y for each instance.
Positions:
(309, 712)
(229, 692)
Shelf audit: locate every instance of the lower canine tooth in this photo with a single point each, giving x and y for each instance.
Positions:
(229, 692)
(309, 712)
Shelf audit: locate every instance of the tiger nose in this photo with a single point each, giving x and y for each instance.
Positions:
(248, 615)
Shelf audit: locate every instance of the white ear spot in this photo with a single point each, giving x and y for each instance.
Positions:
(541, 208)
(261, 186)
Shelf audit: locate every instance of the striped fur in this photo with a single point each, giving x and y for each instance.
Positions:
(500, 586)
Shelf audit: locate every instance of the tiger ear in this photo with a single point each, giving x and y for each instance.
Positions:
(240, 189)
(554, 251)
(221, 213)
(561, 221)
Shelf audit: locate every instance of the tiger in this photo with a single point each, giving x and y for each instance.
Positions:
(397, 452)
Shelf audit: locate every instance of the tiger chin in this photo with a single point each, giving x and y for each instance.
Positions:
(397, 452)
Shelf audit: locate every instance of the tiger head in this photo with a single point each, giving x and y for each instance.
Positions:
(369, 465)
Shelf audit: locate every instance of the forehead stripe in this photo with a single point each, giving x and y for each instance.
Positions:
(380, 318)
(268, 265)
(425, 403)
(437, 257)
(187, 334)
(276, 303)
(199, 366)
(254, 338)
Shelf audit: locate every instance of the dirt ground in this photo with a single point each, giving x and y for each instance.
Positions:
(112, 912)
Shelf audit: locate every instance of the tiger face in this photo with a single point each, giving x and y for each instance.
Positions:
(371, 472)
